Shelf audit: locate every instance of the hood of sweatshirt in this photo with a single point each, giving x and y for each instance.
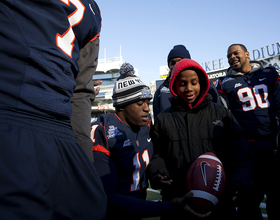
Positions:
(203, 79)
(256, 66)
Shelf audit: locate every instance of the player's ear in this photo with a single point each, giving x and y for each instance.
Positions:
(247, 54)
(119, 109)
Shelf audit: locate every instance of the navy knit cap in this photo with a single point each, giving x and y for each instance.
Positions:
(178, 51)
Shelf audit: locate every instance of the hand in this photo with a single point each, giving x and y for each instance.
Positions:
(164, 181)
(97, 83)
(181, 203)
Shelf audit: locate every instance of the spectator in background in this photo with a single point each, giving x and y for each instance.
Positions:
(162, 94)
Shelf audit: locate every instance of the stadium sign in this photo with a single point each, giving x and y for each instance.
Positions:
(267, 51)
(268, 61)
(268, 55)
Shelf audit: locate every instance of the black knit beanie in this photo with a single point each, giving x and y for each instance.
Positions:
(178, 51)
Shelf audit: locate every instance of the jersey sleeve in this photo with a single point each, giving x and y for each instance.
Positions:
(99, 138)
(123, 205)
(96, 20)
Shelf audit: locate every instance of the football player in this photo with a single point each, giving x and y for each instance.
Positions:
(45, 174)
(252, 93)
(123, 148)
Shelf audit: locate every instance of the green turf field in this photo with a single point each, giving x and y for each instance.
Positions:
(153, 195)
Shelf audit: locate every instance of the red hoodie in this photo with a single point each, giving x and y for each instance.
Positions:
(203, 78)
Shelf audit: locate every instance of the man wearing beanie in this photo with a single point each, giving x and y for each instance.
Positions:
(162, 94)
(122, 150)
(129, 88)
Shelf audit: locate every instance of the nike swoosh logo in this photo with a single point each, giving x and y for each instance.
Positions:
(149, 139)
(203, 171)
(262, 79)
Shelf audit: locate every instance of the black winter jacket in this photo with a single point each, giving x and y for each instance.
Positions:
(182, 133)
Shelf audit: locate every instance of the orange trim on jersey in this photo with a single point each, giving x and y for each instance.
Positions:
(149, 123)
(220, 83)
(95, 37)
(118, 117)
(105, 134)
(100, 148)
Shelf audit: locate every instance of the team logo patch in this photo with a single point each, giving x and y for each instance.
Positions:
(262, 79)
(127, 143)
(113, 131)
(226, 79)
(237, 85)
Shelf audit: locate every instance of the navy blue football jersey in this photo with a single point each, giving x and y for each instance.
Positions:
(128, 152)
(40, 44)
(254, 100)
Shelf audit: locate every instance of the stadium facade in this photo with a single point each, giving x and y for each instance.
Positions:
(108, 72)
(267, 55)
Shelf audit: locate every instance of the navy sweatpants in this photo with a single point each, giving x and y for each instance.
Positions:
(45, 174)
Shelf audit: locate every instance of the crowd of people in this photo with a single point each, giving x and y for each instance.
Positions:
(56, 164)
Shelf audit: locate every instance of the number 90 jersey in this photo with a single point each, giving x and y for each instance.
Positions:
(127, 151)
(254, 100)
(40, 44)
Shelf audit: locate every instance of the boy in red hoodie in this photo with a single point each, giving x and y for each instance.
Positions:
(194, 125)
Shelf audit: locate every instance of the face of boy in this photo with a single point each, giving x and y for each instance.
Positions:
(136, 113)
(187, 84)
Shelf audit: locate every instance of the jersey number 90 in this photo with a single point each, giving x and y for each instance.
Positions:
(253, 98)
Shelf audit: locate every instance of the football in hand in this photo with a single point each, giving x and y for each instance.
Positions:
(206, 179)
